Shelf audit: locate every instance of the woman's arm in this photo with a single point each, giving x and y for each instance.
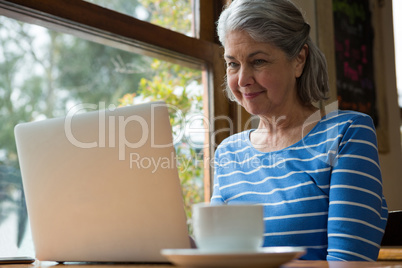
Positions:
(357, 210)
(216, 194)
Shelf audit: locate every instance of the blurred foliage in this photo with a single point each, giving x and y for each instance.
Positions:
(175, 15)
(178, 86)
(128, 7)
(171, 83)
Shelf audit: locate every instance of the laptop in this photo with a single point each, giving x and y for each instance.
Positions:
(103, 186)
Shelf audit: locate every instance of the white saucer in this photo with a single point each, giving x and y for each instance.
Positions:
(264, 257)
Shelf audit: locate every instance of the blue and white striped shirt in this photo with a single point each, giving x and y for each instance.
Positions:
(323, 192)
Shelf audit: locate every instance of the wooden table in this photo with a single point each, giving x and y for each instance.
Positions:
(390, 253)
(389, 257)
(293, 264)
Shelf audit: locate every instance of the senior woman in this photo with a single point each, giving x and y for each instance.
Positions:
(317, 175)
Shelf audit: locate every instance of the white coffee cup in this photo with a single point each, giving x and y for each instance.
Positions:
(228, 228)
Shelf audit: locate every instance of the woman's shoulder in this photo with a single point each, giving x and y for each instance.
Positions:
(338, 122)
(343, 116)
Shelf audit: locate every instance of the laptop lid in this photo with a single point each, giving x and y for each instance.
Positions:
(103, 185)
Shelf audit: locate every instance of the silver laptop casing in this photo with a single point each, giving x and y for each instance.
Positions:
(103, 185)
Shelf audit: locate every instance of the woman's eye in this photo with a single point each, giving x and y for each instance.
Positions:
(231, 64)
(259, 62)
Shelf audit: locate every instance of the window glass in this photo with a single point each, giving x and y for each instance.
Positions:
(396, 7)
(45, 73)
(166, 13)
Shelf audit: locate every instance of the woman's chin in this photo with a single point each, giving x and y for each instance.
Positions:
(255, 109)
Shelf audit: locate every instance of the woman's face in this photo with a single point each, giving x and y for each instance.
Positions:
(260, 75)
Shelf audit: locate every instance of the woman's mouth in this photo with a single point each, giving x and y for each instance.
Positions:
(251, 95)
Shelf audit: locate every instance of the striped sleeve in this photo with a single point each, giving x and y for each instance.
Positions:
(357, 211)
(216, 198)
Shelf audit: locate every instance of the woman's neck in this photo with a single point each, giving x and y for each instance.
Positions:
(280, 131)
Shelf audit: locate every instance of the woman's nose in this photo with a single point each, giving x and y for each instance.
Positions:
(245, 77)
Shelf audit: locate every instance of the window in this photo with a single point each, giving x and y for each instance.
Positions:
(118, 44)
(396, 6)
(163, 13)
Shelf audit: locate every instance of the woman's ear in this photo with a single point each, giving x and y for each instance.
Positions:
(300, 61)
